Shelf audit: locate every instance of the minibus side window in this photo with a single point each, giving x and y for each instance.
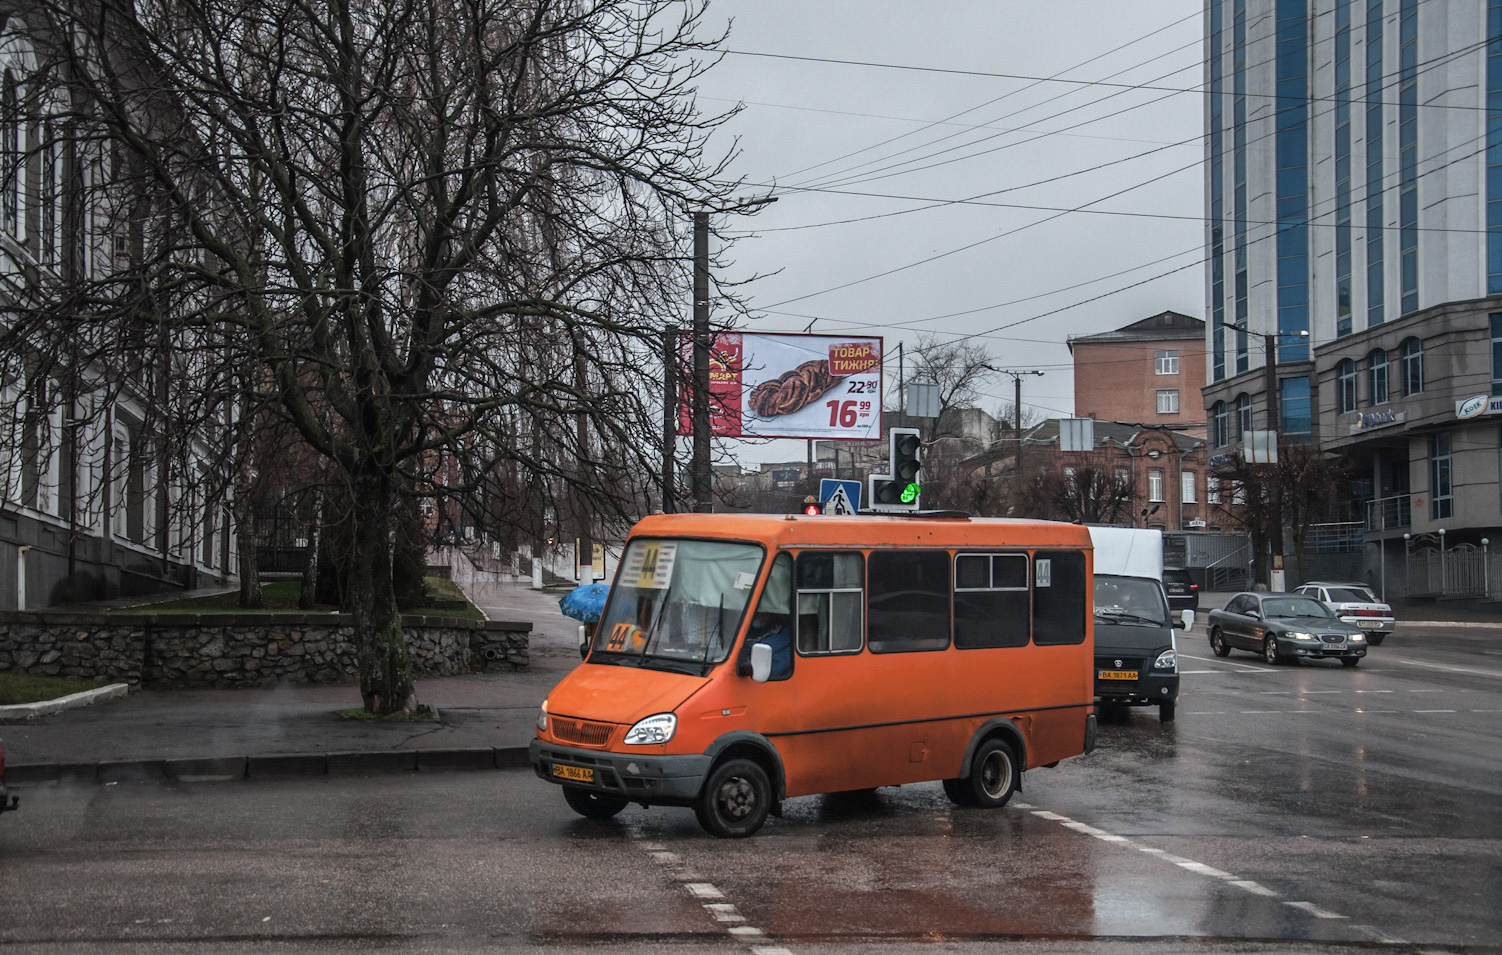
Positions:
(772, 622)
(829, 601)
(1061, 600)
(990, 601)
(908, 602)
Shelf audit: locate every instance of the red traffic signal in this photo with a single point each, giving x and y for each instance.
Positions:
(812, 508)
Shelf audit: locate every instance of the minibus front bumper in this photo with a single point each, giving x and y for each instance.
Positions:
(664, 780)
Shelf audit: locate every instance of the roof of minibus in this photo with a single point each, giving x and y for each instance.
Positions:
(795, 530)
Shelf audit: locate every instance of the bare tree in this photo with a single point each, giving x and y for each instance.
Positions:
(960, 368)
(1309, 482)
(406, 228)
(1086, 491)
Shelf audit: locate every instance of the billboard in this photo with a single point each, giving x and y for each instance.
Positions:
(788, 386)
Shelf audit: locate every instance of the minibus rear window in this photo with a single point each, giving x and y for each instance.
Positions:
(990, 601)
(1059, 597)
(830, 591)
(908, 601)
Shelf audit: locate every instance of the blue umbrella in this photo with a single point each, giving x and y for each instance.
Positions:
(585, 603)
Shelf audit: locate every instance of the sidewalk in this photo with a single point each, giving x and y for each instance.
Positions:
(485, 720)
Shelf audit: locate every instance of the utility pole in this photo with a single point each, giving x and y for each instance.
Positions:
(670, 371)
(703, 484)
(1275, 505)
(1275, 493)
(702, 478)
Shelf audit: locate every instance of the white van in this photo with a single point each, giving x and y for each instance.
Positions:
(1136, 655)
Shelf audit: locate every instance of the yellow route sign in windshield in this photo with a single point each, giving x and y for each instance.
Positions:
(649, 564)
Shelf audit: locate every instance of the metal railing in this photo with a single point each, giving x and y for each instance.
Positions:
(1389, 513)
(1334, 538)
(1464, 570)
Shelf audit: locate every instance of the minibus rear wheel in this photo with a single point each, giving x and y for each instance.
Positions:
(593, 805)
(735, 799)
(993, 774)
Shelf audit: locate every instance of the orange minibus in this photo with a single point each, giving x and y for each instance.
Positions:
(743, 659)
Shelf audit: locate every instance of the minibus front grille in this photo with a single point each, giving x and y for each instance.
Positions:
(583, 732)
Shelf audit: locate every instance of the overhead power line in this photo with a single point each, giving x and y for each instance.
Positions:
(1061, 212)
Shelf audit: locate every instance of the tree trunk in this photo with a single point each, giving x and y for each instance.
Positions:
(245, 513)
(380, 646)
(309, 595)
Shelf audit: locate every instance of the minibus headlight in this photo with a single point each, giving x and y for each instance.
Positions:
(653, 729)
(1167, 660)
(542, 716)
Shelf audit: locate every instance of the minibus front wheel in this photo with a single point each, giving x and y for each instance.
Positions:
(593, 805)
(735, 800)
(993, 774)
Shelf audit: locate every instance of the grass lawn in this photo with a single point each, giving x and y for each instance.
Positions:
(24, 688)
(281, 597)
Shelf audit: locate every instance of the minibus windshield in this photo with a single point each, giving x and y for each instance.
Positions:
(677, 604)
(1130, 600)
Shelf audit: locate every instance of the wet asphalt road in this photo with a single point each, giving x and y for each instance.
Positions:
(1288, 809)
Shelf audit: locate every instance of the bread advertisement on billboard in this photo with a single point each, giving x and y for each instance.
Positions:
(788, 386)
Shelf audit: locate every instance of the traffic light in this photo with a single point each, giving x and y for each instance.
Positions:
(812, 508)
(899, 490)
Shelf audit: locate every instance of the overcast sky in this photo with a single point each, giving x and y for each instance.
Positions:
(915, 116)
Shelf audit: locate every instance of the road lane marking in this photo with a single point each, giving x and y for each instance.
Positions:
(1199, 868)
(1373, 691)
(1434, 711)
(1438, 666)
(1315, 910)
(1246, 667)
(709, 895)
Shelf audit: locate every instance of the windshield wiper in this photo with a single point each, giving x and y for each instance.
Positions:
(1124, 615)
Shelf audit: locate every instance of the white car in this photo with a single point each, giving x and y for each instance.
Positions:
(1356, 605)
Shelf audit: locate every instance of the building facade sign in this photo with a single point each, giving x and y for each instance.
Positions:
(1478, 406)
(1372, 420)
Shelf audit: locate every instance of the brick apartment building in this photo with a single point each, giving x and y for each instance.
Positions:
(1150, 372)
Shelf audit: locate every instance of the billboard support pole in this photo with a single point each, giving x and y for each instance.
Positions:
(700, 467)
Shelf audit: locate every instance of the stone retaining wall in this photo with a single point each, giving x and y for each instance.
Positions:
(236, 650)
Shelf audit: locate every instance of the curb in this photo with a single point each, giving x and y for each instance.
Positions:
(271, 766)
(1448, 623)
(26, 711)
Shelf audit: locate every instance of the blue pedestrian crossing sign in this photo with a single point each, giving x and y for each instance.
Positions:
(840, 497)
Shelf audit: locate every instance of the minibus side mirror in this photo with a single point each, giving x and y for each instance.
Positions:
(761, 662)
(1186, 619)
(583, 641)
